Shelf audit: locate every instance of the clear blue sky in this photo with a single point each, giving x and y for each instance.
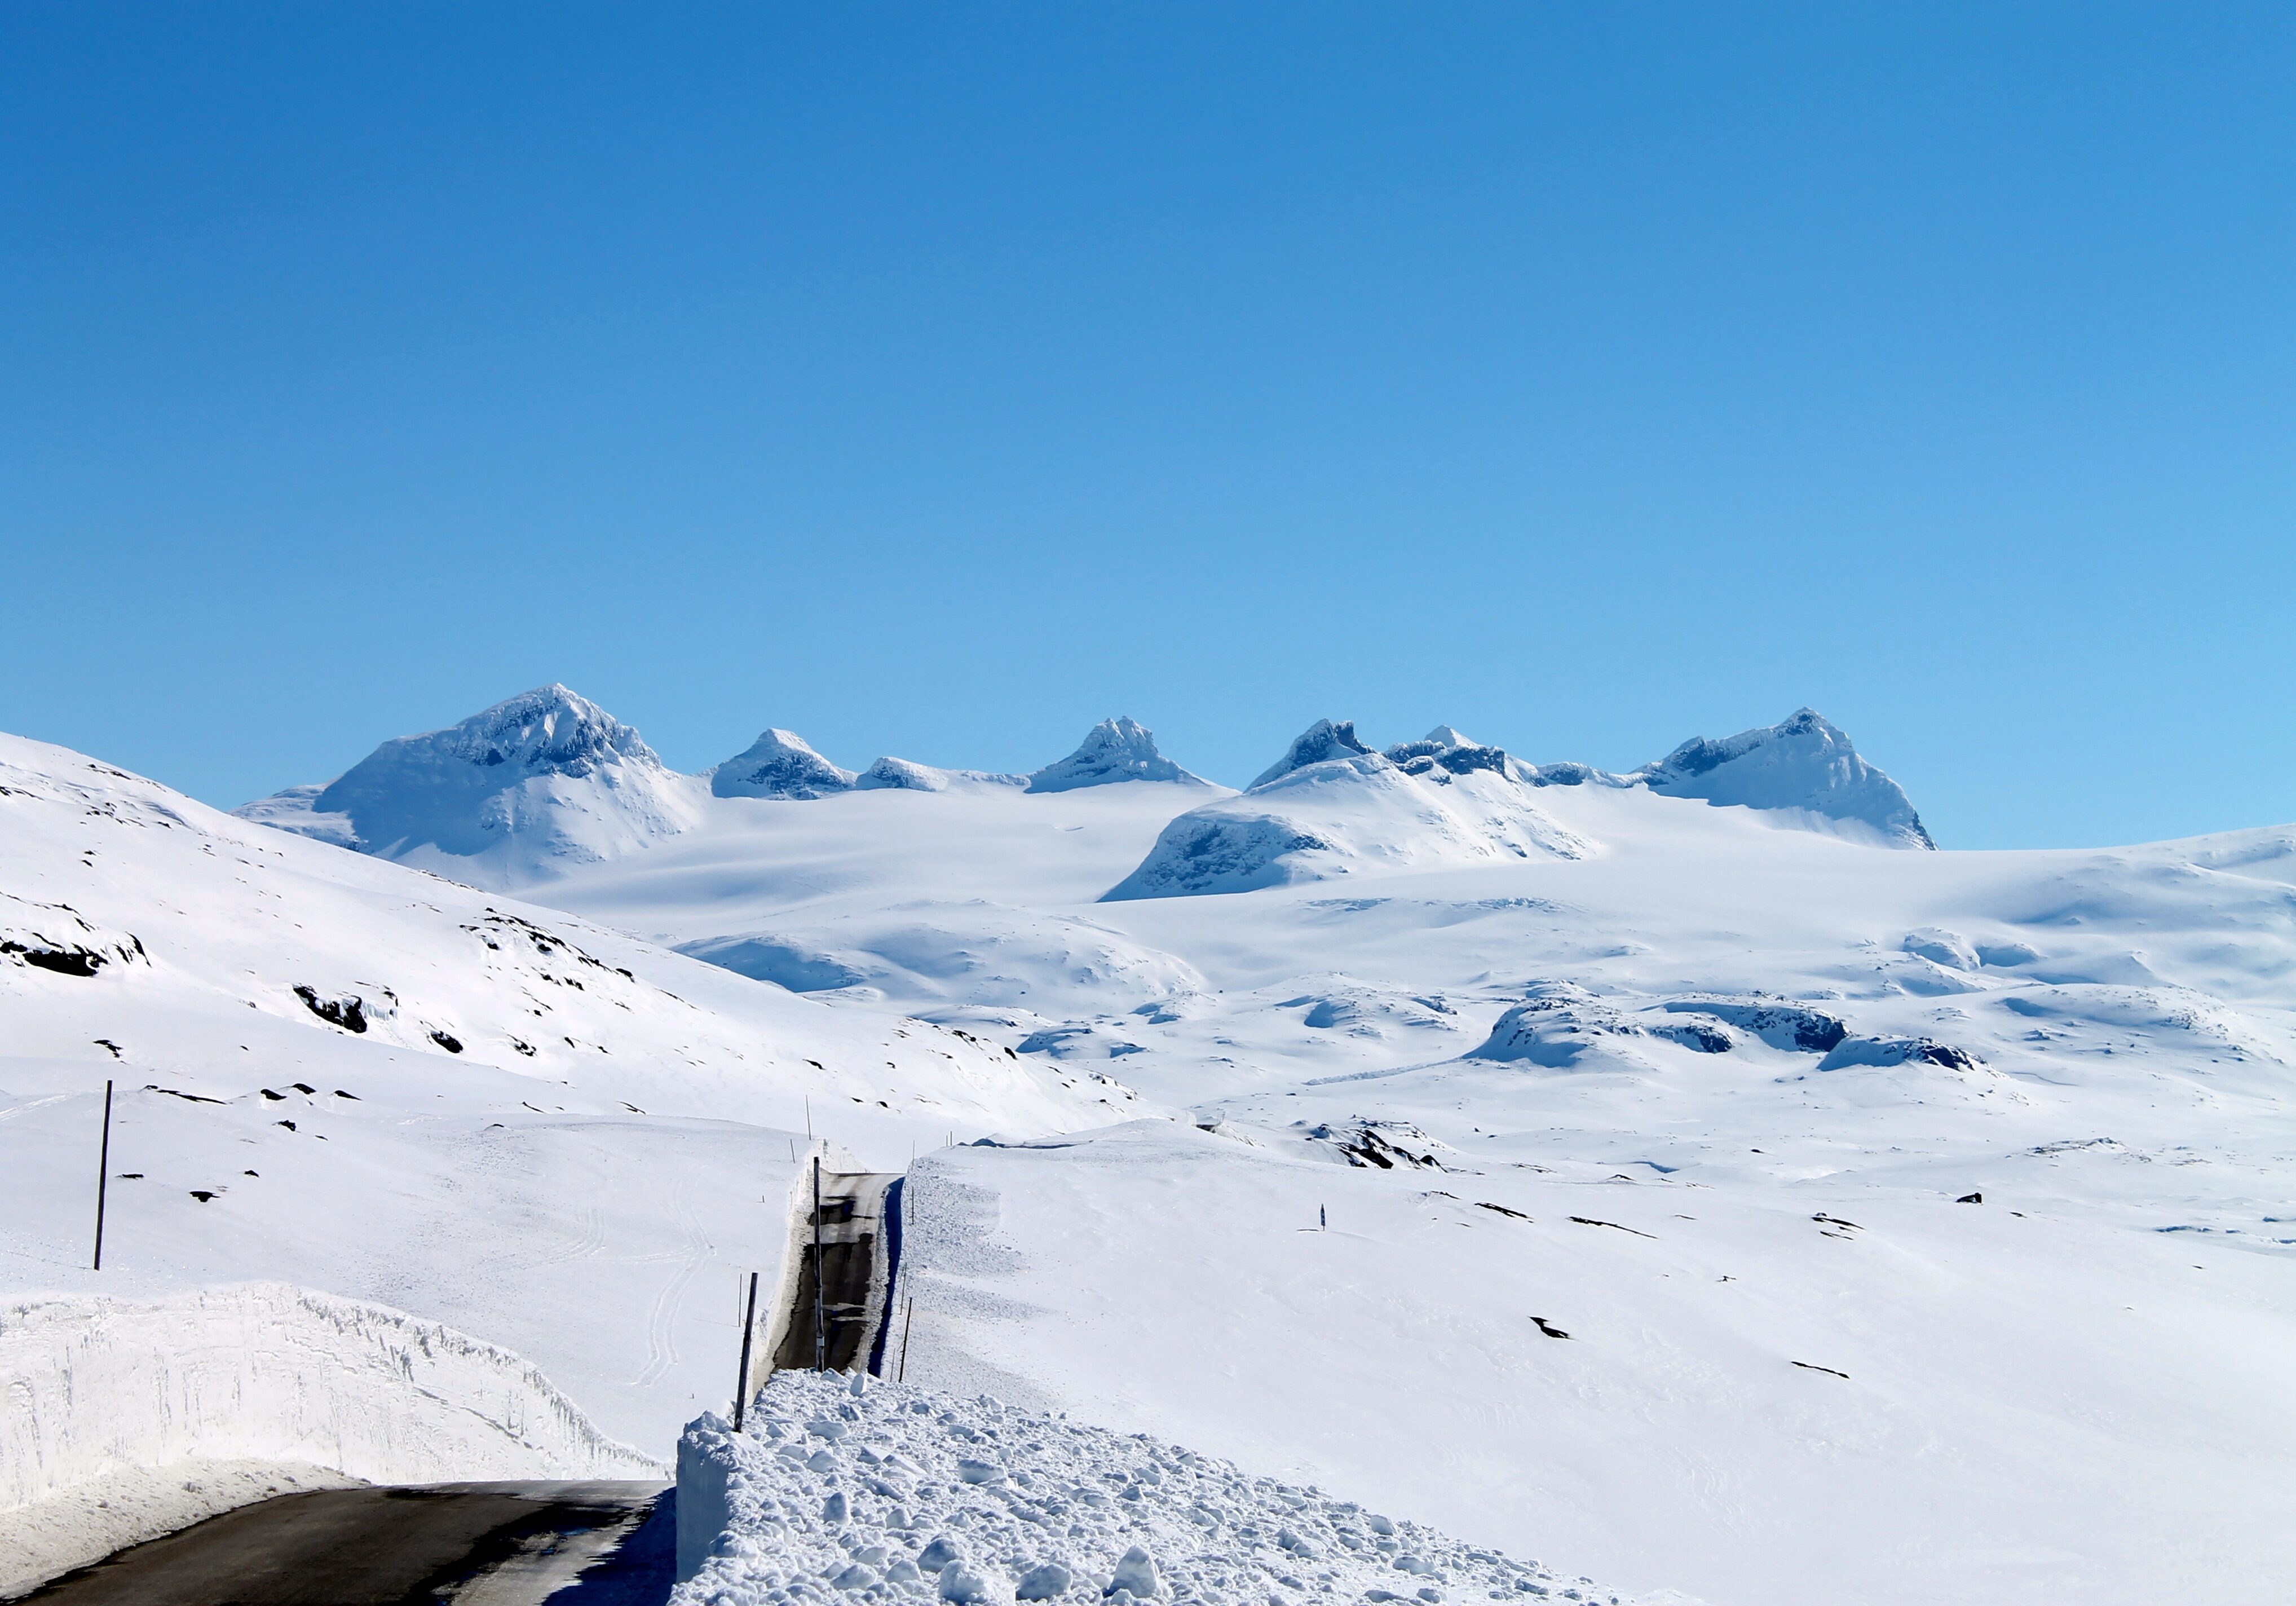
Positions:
(936, 380)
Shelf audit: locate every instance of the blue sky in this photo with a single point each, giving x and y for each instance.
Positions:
(936, 380)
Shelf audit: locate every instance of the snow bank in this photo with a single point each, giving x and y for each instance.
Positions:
(260, 1374)
(903, 1492)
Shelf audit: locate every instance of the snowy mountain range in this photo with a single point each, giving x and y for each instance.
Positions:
(548, 782)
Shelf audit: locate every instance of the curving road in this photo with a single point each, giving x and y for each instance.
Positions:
(469, 1543)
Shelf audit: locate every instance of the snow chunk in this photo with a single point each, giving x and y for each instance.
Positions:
(780, 764)
(1086, 1515)
(1114, 749)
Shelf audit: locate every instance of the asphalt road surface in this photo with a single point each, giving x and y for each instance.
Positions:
(848, 1272)
(469, 1543)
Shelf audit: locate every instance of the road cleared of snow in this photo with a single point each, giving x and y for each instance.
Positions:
(257, 1376)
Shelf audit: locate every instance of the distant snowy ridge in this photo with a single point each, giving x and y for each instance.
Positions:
(1113, 751)
(548, 782)
(1330, 808)
(1806, 762)
(779, 763)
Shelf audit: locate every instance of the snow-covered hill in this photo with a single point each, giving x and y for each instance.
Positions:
(350, 1076)
(1328, 809)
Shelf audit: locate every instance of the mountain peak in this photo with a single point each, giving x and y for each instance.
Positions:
(1320, 742)
(779, 763)
(550, 730)
(1806, 762)
(1115, 750)
(543, 778)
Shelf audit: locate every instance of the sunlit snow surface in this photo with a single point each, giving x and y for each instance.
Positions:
(2069, 1391)
(904, 1494)
(1702, 1097)
(536, 1130)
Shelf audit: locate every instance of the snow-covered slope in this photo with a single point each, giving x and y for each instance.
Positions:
(347, 1075)
(1313, 817)
(540, 780)
(1720, 1013)
(1804, 763)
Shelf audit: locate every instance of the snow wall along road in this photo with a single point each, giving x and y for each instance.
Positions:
(102, 1390)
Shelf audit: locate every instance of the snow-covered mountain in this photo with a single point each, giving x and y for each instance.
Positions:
(1113, 751)
(779, 763)
(1330, 808)
(536, 783)
(1804, 763)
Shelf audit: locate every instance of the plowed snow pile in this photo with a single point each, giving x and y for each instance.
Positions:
(904, 1494)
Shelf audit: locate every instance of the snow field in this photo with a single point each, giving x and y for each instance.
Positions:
(1774, 1371)
(855, 1490)
(259, 1373)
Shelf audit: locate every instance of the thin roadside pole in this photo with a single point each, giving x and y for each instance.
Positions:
(820, 1336)
(748, 1326)
(102, 1172)
(908, 1321)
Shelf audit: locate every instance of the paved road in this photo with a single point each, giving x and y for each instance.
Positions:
(469, 1543)
(852, 1277)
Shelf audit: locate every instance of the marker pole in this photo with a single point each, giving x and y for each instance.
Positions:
(820, 1334)
(748, 1326)
(102, 1170)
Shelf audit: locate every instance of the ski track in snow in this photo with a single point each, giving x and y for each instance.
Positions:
(662, 1320)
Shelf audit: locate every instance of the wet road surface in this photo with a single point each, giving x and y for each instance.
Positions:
(469, 1543)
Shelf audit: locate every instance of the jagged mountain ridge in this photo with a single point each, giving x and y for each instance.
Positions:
(548, 781)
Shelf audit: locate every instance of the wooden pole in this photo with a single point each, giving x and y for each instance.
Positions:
(908, 1321)
(748, 1326)
(820, 1333)
(102, 1170)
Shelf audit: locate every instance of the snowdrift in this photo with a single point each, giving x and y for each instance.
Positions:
(264, 1374)
(914, 1494)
